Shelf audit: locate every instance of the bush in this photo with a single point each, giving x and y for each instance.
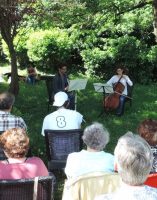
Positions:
(48, 48)
(127, 50)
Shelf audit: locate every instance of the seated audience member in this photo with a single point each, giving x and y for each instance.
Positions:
(148, 130)
(7, 120)
(63, 118)
(134, 160)
(32, 74)
(15, 144)
(94, 159)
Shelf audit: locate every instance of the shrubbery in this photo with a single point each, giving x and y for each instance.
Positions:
(95, 45)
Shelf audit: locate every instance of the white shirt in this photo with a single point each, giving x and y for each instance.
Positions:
(83, 162)
(124, 80)
(62, 119)
(131, 193)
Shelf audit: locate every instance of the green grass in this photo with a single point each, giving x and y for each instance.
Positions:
(31, 104)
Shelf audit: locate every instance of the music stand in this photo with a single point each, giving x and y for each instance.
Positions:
(103, 88)
(76, 85)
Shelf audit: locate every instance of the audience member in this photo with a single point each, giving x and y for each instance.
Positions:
(63, 118)
(15, 144)
(32, 74)
(134, 160)
(94, 159)
(7, 120)
(148, 130)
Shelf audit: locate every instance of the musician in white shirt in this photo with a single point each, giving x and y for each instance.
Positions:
(124, 79)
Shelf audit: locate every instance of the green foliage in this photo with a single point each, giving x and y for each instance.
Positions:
(48, 48)
(20, 42)
(91, 36)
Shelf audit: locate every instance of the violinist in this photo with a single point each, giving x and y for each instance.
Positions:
(124, 80)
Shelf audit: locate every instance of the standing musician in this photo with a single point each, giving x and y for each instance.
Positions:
(124, 80)
(60, 84)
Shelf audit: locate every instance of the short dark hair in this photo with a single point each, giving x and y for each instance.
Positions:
(7, 99)
(61, 66)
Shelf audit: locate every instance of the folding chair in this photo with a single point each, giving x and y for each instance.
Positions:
(59, 143)
(26, 189)
(90, 185)
(130, 92)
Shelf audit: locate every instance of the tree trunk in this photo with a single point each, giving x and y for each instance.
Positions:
(155, 18)
(14, 85)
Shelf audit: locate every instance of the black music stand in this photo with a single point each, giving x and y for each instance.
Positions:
(105, 89)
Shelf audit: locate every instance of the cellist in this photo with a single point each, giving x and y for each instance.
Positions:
(124, 79)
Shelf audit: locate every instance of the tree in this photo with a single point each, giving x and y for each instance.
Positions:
(155, 18)
(11, 16)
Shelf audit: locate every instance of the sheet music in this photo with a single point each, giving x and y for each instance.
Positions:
(77, 84)
(103, 87)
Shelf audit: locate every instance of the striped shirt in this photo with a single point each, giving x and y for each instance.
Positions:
(8, 121)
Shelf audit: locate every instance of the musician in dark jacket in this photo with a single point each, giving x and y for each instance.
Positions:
(60, 83)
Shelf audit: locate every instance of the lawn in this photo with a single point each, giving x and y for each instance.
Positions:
(31, 104)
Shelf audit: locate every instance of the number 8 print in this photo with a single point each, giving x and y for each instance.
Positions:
(61, 123)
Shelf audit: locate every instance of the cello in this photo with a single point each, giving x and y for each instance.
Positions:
(111, 102)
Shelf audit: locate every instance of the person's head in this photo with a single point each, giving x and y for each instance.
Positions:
(133, 157)
(62, 69)
(95, 136)
(60, 99)
(6, 101)
(148, 130)
(120, 70)
(15, 143)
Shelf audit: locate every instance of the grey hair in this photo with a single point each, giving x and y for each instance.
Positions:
(96, 136)
(134, 159)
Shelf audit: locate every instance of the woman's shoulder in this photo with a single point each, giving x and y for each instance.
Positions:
(75, 155)
(106, 155)
(34, 159)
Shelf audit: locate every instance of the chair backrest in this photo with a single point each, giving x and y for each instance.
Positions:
(59, 143)
(91, 185)
(130, 90)
(23, 189)
(49, 86)
(151, 180)
(2, 154)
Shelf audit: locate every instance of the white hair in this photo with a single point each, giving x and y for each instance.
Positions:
(134, 159)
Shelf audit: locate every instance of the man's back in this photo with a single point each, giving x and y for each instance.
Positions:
(62, 119)
(8, 121)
